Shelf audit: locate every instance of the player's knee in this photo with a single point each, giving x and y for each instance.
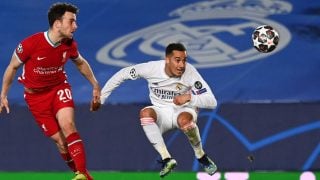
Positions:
(148, 112)
(187, 126)
(147, 116)
(185, 121)
(68, 128)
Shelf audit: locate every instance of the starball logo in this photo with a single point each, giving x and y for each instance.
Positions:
(216, 33)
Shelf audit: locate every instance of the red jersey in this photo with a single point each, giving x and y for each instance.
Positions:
(44, 61)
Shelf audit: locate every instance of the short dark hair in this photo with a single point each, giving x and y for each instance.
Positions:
(174, 46)
(57, 10)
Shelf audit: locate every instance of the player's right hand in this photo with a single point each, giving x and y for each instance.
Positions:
(95, 105)
(4, 104)
(181, 99)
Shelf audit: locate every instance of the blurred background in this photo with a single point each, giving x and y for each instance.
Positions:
(268, 102)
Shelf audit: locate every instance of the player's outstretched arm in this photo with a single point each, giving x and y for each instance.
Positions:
(7, 80)
(118, 78)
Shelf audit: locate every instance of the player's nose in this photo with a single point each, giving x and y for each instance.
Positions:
(75, 26)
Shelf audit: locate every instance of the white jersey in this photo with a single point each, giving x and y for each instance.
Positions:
(163, 88)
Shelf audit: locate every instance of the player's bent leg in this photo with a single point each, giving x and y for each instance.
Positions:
(148, 122)
(191, 130)
(73, 140)
(63, 149)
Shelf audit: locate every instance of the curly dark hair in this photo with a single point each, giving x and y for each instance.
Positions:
(57, 10)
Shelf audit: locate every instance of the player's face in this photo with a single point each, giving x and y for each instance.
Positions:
(176, 63)
(68, 25)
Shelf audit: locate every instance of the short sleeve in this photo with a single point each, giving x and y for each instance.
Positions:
(74, 53)
(23, 50)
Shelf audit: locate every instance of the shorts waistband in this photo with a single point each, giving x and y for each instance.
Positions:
(44, 89)
(36, 90)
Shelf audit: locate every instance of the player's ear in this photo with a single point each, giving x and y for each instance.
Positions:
(57, 24)
(167, 59)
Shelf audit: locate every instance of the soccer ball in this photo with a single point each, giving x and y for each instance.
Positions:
(265, 38)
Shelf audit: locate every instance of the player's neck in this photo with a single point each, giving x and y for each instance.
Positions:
(54, 37)
(167, 71)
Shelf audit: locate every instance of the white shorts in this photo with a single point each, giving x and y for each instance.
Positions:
(167, 116)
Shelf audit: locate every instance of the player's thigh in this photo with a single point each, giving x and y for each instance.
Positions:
(62, 98)
(65, 118)
(63, 108)
(164, 118)
(40, 105)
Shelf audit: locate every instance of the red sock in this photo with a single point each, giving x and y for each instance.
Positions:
(76, 150)
(69, 161)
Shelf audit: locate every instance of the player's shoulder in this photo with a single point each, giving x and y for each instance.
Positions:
(35, 36)
(149, 67)
(154, 63)
(190, 67)
(31, 41)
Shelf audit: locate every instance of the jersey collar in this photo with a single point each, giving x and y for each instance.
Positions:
(46, 35)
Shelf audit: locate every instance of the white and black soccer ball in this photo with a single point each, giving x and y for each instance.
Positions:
(265, 38)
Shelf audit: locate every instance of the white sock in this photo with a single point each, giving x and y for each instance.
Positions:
(154, 135)
(193, 135)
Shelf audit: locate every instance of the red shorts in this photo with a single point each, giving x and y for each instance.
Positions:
(44, 106)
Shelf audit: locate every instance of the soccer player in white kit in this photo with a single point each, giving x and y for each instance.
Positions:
(176, 91)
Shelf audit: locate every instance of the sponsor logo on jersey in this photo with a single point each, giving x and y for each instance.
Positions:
(164, 94)
(47, 70)
(216, 33)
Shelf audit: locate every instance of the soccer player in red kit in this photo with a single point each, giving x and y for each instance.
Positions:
(47, 92)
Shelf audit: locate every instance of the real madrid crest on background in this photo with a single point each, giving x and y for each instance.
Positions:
(199, 27)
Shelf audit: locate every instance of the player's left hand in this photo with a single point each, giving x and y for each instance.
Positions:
(181, 99)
